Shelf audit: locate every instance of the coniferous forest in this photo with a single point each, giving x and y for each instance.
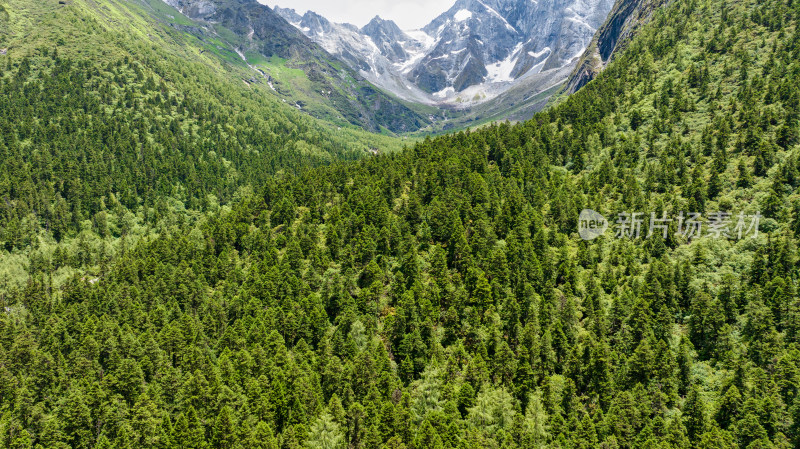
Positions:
(186, 263)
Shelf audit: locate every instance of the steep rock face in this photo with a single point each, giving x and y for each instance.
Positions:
(622, 23)
(194, 9)
(250, 19)
(259, 29)
(341, 40)
(377, 52)
(289, 14)
(389, 39)
(475, 19)
(467, 37)
(511, 37)
(488, 45)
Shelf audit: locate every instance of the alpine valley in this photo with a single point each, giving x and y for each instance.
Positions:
(468, 56)
(480, 61)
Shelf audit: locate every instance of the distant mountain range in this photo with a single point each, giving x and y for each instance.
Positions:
(297, 69)
(468, 55)
(481, 60)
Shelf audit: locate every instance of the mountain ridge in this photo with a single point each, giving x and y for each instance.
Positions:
(264, 39)
(480, 45)
(625, 18)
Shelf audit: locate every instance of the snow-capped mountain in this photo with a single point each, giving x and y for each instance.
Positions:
(268, 45)
(379, 51)
(392, 42)
(469, 54)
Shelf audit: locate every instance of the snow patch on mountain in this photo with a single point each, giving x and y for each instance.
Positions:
(539, 53)
(500, 71)
(444, 93)
(462, 15)
(496, 14)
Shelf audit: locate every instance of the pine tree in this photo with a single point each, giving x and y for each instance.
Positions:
(466, 398)
(535, 432)
(729, 407)
(427, 437)
(325, 433)
(262, 437)
(77, 419)
(694, 414)
(224, 431)
(189, 430)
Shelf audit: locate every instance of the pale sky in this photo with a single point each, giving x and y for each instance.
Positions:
(408, 14)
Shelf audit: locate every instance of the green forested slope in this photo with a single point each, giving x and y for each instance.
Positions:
(103, 111)
(299, 70)
(440, 296)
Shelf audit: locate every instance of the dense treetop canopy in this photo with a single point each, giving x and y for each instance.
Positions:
(180, 274)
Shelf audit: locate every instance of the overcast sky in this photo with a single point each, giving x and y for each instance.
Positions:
(408, 14)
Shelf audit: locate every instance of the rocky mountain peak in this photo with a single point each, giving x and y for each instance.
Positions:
(481, 46)
(388, 37)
